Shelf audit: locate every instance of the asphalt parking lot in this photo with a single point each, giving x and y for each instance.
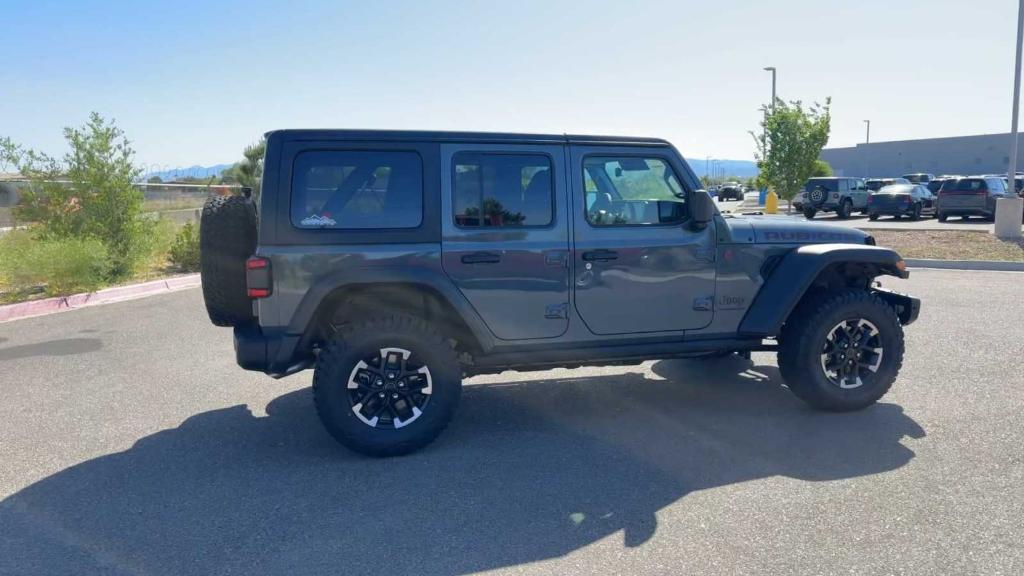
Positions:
(132, 444)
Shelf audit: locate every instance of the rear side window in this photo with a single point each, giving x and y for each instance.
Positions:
(996, 184)
(352, 189)
(502, 190)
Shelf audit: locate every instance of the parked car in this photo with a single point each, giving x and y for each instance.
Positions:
(971, 196)
(841, 195)
(919, 178)
(935, 184)
(876, 184)
(898, 200)
(731, 191)
(397, 263)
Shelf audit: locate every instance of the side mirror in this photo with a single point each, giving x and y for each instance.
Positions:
(702, 208)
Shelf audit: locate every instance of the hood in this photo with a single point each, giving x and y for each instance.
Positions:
(786, 230)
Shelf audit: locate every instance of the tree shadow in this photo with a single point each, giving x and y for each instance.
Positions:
(62, 347)
(528, 471)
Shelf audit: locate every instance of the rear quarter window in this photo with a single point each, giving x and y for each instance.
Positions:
(357, 189)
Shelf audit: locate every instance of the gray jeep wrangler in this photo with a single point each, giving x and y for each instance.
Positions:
(395, 264)
(833, 194)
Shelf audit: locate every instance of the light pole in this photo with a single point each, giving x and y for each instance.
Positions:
(867, 148)
(765, 132)
(1008, 209)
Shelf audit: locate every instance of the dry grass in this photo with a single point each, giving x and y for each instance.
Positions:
(950, 244)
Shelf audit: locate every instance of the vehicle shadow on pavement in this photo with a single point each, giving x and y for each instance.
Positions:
(528, 471)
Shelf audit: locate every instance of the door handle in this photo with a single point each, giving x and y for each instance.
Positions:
(481, 258)
(600, 255)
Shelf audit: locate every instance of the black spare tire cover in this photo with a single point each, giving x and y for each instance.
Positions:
(227, 238)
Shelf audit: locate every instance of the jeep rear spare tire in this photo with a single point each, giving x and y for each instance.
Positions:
(227, 238)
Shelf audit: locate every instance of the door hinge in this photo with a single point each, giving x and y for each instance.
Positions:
(556, 311)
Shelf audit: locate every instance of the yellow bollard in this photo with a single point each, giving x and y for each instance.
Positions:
(771, 202)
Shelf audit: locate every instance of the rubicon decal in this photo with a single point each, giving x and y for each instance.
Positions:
(810, 236)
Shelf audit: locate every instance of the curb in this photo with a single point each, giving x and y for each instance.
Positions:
(991, 265)
(105, 296)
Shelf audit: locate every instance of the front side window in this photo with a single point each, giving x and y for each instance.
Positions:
(624, 191)
(494, 190)
(334, 189)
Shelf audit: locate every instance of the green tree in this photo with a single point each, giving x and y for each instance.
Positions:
(821, 169)
(155, 180)
(87, 194)
(789, 144)
(249, 171)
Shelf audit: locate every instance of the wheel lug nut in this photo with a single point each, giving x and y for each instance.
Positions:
(394, 396)
(381, 394)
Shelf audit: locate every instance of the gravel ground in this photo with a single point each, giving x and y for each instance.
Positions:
(131, 444)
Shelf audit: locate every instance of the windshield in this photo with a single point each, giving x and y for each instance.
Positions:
(896, 189)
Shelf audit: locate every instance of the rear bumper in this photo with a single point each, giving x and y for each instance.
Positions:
(907, 307)
(271, 354)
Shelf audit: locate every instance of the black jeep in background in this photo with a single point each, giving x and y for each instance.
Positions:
(397, 263)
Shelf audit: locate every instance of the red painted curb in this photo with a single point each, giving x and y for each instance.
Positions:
(105, 296)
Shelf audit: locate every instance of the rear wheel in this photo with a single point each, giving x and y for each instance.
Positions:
(942, 217)
(809, 213)
(841, 351)
(386, 386)
(872, 216)
(845, 209)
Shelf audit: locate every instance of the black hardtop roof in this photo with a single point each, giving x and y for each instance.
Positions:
(443, 136)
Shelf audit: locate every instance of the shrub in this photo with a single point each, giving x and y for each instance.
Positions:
(89, 194)
(184, 251)
(62, 266)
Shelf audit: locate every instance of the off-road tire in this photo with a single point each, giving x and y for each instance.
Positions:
(803, 338)
(845, 209)
(872, 217)
(352, 343)
(227, 238)
(809, 213)
(915, 213)
(942, 217)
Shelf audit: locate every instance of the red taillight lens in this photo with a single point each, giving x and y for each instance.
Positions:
(257, 277)
(257, 263)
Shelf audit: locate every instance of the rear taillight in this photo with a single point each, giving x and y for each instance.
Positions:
(257, 277)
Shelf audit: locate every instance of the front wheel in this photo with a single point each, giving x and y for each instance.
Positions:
(915, 213)
(942, 217)
(386, 386)
(872, 216)
(841, 351)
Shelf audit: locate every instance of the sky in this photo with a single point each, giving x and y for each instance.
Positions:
(194, 82)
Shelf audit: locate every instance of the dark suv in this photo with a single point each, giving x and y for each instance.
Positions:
(397, 263)
(970, 196)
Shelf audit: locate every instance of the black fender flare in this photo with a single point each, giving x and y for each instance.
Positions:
(434, 280)
(790, 279)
